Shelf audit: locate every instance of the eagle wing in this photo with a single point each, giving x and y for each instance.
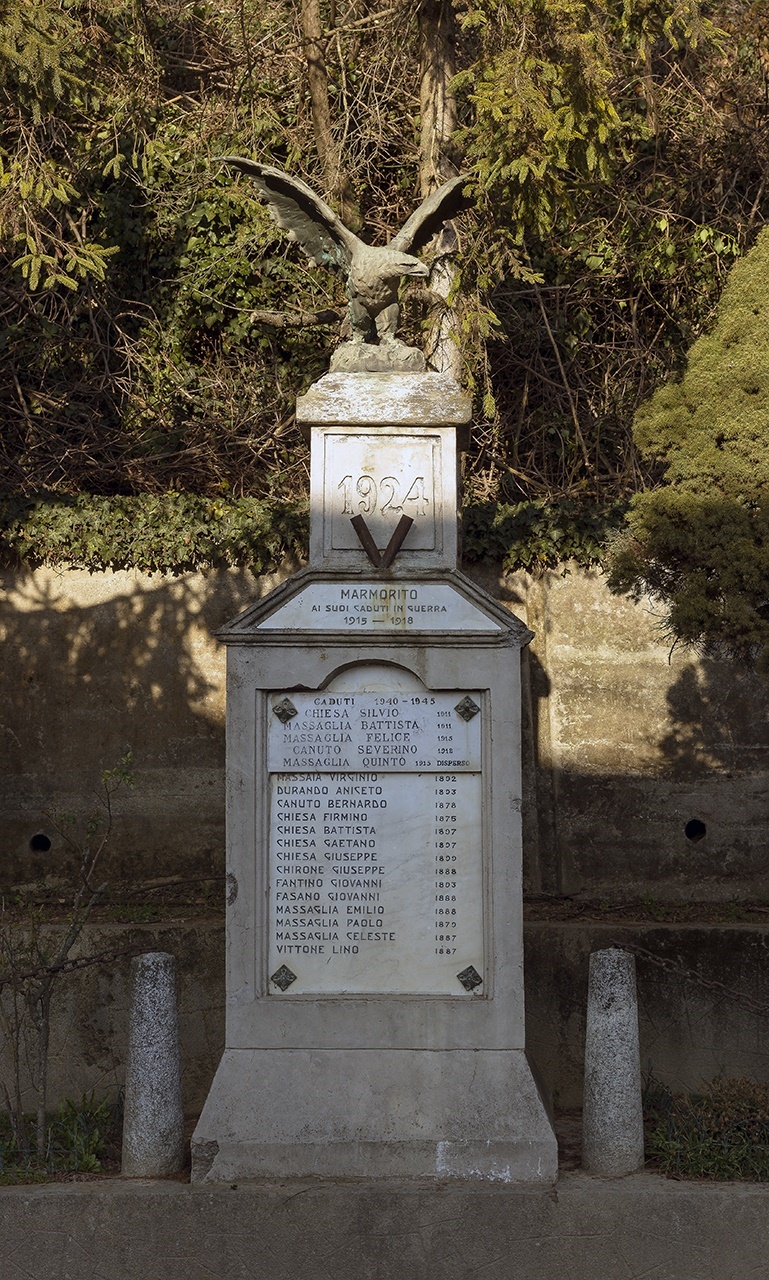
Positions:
(427, 220)
(301, 213)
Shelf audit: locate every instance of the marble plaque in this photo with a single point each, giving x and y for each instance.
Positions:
(375, 845)
(375, 883)
(382, 479)
(369, 606)
(396, 731)
(382, 476)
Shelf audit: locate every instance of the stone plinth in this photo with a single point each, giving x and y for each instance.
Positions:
(384, 400)
(375, 1113)
(384, 446)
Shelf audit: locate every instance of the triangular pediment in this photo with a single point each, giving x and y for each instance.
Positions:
(314, 603)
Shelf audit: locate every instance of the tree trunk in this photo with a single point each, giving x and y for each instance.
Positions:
(336, 180)
(438, 106)
(437, 34)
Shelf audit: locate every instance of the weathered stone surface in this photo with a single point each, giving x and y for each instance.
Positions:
(612, 1116)
(586, 1229)
(629, 743)
(436, 1087)
(90, 1013)
(379, 612)
(386, 357)
(98, 662)
(363, 1113)
(691, 1029)
(361, 471)
(385, 400)
(386, 879)
(153, 1115)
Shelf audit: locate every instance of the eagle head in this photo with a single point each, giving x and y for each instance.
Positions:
(392, 263)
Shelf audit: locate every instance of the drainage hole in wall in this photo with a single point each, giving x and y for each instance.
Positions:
(695, 830)
(40, 843)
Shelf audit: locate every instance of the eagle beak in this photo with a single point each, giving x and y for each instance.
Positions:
(417, 269)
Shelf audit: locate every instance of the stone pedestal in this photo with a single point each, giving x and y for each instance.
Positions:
(374, 989)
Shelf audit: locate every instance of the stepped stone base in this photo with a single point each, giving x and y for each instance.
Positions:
(356, 1113)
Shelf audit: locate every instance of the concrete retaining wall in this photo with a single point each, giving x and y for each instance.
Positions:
(90, 1012)
(630, 744)
(693, 1024)
(583, 1229)
(95, 663)
(690, 1032)
(623, 746)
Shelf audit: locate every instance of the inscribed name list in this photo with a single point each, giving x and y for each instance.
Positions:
(376, 874)
(374, 731)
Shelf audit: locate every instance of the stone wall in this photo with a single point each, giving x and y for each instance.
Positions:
(648, 767)
(625, 744)
(703, 1001)
(625, 747)
(90, 1011)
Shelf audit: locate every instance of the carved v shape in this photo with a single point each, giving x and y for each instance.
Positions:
(385, 559)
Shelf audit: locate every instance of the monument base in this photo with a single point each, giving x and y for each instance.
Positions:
(365, 1113)
(383, 357)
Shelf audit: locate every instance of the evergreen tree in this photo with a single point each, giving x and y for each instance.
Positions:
(700, 541)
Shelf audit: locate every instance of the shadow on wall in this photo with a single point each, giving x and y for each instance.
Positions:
(718, 722)
(640, 778)
(99, 663)
(622, 753)
(703, 996)
(685, 812)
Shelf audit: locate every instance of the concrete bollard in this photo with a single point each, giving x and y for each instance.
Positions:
(153, 1121)
(612, 1117)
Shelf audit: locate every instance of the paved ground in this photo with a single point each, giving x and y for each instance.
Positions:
(638, 1228)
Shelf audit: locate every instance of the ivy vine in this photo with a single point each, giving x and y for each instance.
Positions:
(180, 532)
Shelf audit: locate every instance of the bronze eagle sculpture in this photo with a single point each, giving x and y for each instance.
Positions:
(373, 273)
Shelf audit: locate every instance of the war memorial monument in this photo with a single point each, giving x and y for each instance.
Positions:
(375, 1016)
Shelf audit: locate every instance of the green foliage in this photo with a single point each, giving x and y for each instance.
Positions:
(613, 231)
(552, 117)
(700, 542)
(721, 1133)
(178, 532)
(543, 112)
(38, 53)
(77, 1139)
(538, 535)
(42, 62)
(129, 357)
(138, 355)
(153, 532)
